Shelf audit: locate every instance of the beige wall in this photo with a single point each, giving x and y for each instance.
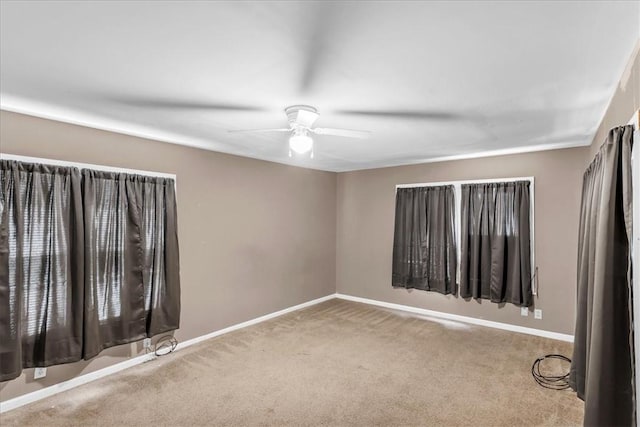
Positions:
(366, 203)
(255, 237)
(625, 101)
(366, 211)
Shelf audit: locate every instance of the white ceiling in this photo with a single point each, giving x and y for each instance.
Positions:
(446, 79)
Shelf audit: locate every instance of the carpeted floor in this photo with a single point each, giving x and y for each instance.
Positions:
(335, 364)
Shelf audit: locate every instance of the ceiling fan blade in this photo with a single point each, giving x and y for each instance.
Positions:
(405, 114)
(259, 130)
(322, 29)
(178, 104)
(348, 133)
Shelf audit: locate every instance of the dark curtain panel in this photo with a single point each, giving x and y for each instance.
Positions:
(495, 238)
(601, 368)
(424, 246)
(132, 284)
(41, 266)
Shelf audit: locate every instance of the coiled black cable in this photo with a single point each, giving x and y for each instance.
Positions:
(165, 345)
(553, 382)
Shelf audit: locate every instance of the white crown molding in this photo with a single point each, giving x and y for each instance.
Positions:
(42, 110)
(50, 112)
(501, 152)
(622, 84)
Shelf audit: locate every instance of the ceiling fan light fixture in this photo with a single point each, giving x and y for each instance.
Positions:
(300, 143)
(301, 119)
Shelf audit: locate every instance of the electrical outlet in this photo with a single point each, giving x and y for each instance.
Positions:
(39, 373)
(524, 311)
(146, 343)
(537, 313)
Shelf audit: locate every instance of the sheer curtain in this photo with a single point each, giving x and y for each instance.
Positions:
(132, 284)
(424, 247)
(41, 266)
(601, 368)
(496, 243)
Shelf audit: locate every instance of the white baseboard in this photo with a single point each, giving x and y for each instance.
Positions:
(253, 321)
(459, 318)
(34, 396)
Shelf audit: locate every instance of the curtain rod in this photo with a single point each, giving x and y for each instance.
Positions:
(79, 165)
(466, 181)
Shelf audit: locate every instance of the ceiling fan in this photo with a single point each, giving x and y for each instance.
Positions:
(301, 119)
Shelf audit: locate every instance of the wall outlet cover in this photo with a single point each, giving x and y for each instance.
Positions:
(146, 343)
(537, 313)
(39, 373)
(524, 311)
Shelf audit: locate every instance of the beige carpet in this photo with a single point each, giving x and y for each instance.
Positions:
(338, 363)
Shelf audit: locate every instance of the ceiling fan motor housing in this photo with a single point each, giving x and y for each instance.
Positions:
(301, 115)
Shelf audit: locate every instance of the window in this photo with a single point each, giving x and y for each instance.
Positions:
(131, 258)
(88, 260)
(41, 285)
(424, 250)
(493, 220)
(495, 242)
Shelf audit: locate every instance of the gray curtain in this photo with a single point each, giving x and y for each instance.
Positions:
(601, 368)
(41, 266)
(424, 246)
(495, 238)
(132, 284)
